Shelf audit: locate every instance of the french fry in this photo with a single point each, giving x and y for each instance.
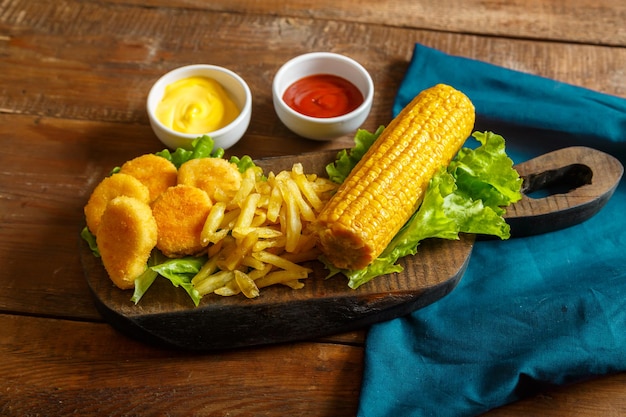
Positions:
(247, 185)
(222, 196)
(278, 277)
(246, 285)
(259, 273)
(251, 262)
(210, 233)
(306, 187)
(213, 282)
(259, 237)
(305, 210)
(207, 269)
(260, 218)
(281, 262)
(259, 232)
(323, 186)
(231, 288)
(248, 208)
(230, 217)
(294, 284)
(264, 188)
(275, 201)
(234, 257)
(293, 223)
(278, 243)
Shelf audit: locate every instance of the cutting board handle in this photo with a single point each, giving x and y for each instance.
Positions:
(562, 188)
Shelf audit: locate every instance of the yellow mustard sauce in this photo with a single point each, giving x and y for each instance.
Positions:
(196, 105)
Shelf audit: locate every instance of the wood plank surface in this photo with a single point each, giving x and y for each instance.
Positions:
(586, 21)
(95, 371)
(133, 46)
(74, 77)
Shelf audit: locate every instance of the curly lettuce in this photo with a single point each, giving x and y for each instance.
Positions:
(468, 196)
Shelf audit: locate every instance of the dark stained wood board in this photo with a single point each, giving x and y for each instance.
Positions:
(579, 181)
(166, 315)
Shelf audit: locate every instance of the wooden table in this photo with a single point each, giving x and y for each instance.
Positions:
(74, 77)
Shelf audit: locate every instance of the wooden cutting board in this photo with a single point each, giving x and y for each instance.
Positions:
(578, 181)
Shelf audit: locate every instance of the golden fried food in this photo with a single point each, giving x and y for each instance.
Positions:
(126, 236)
(216, 176)
(155, 172)
(259, 237)
(114, 186)
(180, 213)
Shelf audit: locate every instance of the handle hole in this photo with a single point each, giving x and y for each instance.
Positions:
(556, 181)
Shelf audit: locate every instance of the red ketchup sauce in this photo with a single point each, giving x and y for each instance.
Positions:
(323, 96)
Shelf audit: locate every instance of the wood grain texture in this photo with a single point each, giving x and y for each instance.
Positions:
(74, 79)
(100, 60)
(576, 182)
(92, 370)
(599, 397)
(587, 21)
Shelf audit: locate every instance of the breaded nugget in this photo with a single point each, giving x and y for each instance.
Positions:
(126, 236)
(180, 213)
(210, 174)
(155, 172)
(114, 186)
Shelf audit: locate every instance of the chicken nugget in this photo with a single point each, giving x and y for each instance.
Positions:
(114, 186)
(211, 174)
(126, 236)
(155, 172)
(180, 213)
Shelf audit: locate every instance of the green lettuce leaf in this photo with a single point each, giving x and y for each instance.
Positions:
(347, 159)
(91, 241)
(487, 173)
(201, 147)
(242, 163)
(204, 147)
(145, 280)
(468, 196)
(180, 272)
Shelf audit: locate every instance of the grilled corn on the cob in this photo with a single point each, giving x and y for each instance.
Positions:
(387, 185)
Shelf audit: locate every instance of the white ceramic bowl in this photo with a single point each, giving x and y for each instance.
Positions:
(322, 63)
(234, 85)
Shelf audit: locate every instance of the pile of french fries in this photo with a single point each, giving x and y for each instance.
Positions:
(260, 236)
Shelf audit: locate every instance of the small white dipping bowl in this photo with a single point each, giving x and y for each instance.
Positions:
(234, 85)
(315, 63)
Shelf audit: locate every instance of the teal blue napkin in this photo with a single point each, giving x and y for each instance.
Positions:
(530, 313)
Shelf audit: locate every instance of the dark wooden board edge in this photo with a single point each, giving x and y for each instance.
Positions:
(584, 178)
(283, 315)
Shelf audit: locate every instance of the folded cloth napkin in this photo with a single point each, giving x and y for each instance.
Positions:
(529, 313)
